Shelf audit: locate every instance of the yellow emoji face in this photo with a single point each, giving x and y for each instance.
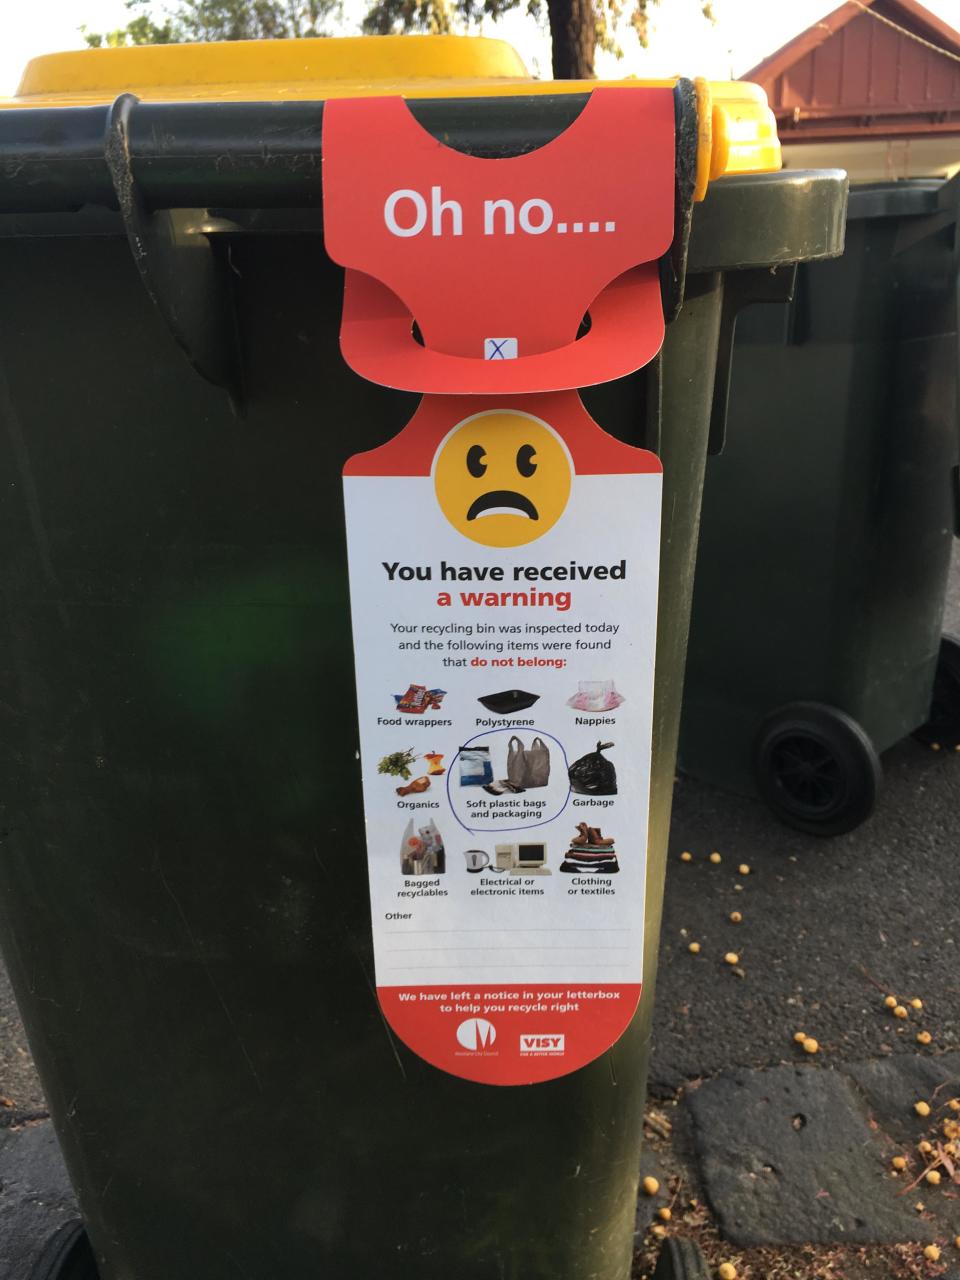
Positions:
(502, 478)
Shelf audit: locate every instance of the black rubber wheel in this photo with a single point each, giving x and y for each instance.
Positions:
(817, 769)
(67, 1256)
(681, 1260)
(944, 723)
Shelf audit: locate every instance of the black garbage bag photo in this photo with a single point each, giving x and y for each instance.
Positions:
(594, 774)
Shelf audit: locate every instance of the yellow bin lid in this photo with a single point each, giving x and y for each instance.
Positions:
(738, 132)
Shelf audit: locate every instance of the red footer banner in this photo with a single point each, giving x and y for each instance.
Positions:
(519, 1034)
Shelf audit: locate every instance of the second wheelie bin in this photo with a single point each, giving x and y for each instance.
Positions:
(825, 545)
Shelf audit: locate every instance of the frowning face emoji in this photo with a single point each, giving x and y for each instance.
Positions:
(502, 478)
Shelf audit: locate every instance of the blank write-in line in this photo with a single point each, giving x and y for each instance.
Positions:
(422, 951)
(415, 933)
(411, 968)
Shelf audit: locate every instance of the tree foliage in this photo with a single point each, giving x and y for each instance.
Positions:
(193, 21)
(577, 27)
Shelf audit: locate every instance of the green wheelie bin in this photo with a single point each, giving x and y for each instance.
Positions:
(186, 912)
(825, 544)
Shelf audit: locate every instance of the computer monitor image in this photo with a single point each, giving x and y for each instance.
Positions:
(531, 855)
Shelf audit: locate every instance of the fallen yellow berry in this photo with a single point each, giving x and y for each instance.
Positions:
(924, 1148)
(664, 1214)
(919, 1206)
(694, 948)
(922, 1108)
(715, 857)
(743, 869)
(933, 1177)
(900, 1012)
(954, 1104)
(890, 1002)
(686, 857)
(799, 1036)
(658, 1231)
(738, 888)
(916, 1004)
(727, 1271)
(650, 1186)
(810, 1045)
(932, 1253)
(735, 917)
(899, 1162)
(732, 958)
(956, 1242)
(924, 1037)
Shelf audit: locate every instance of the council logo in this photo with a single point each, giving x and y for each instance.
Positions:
(476, 1034)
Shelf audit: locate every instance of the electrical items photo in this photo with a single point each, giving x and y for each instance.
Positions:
(526, 858)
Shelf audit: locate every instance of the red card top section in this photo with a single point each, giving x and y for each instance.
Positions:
(498, 261)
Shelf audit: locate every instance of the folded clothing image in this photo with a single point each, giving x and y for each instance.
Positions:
(602, 867)
(419, 699)
(595, 695)
(511, 700)
(590, 853)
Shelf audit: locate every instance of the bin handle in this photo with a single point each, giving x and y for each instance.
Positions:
(177, 264)
(741, 289)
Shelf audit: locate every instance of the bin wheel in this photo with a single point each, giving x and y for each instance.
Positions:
(681, 1260)
(817, 769)
(943, 725)
(67, 1256)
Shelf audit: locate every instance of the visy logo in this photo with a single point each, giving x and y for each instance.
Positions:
(543, 1044)
(476, 1034)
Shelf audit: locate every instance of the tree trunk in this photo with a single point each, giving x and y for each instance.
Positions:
(573, 33)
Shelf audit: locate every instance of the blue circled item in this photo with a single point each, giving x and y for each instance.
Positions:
(498, 829)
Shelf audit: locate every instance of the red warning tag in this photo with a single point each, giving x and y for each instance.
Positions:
(498, 261)
(504, 558)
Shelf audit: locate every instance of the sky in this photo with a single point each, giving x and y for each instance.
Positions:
(682, 41)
